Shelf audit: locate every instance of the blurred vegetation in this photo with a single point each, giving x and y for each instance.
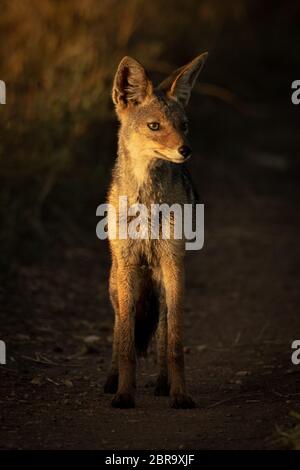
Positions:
(58, 133)
(290, 439)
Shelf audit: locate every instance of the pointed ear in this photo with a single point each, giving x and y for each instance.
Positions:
(180, 83)
(131, 84)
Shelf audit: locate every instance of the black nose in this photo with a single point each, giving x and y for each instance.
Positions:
(185, 151)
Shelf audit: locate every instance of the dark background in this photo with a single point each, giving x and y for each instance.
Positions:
(58, 136)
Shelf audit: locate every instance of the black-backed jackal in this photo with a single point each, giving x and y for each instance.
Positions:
(147, 276)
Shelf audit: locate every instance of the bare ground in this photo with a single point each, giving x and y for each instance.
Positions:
(241, 316)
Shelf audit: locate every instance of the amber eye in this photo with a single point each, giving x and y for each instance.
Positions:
(154, 126)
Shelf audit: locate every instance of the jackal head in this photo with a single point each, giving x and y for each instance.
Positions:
(153, 120)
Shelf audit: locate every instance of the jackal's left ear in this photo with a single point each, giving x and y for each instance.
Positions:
(181, 82)
(131, 84)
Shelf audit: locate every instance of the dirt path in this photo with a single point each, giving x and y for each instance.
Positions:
(241, 315)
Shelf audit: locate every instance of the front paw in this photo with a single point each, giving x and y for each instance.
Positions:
(181, 401)
(123, 400)
(111, 384)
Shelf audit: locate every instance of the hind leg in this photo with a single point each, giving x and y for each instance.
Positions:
(162, 387)
(111, 384)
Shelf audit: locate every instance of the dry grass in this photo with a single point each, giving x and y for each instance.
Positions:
(291, 438)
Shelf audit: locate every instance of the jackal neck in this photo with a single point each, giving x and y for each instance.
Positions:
(143, 174)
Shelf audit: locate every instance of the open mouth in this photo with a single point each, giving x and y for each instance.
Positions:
(173, 160)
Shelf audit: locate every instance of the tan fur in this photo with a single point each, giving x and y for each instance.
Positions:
(149, 169)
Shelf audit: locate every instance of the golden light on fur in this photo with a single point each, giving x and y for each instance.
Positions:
(147, 276)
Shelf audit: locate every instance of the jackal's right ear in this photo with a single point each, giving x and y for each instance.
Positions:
(131, 84)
